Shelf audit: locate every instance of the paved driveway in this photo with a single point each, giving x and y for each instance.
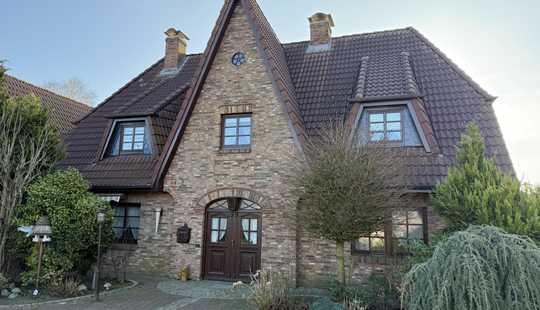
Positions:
(161, 294)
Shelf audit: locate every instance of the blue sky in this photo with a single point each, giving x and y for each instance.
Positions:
(106, 43)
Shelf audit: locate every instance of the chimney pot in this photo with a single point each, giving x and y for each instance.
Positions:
(175, 49)
(320, 25)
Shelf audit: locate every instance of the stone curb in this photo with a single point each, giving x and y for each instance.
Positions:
(65, 300)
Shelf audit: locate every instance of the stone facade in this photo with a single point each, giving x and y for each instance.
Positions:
(201, 172)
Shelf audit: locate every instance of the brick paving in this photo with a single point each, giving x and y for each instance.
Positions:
(147, 295)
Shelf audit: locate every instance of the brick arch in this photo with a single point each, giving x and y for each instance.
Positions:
(229, 192)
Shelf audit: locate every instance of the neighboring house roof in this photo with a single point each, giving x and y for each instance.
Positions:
(314, 87)
(63, 111)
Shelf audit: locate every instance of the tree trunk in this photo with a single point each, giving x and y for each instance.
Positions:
(340, 257)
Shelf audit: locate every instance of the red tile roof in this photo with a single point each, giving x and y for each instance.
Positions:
(63, 111)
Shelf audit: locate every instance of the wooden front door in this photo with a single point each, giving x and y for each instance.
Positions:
(232, 240)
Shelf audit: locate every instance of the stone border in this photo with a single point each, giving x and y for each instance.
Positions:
(65, 300)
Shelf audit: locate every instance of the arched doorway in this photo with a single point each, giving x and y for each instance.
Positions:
(232, 239)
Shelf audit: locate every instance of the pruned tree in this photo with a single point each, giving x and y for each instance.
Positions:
(346, 189)
(29, 146)
(72, 88)
(479, 268)
(477, 192)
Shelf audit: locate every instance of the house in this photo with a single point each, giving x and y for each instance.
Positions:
(193, 151)
(63, 111)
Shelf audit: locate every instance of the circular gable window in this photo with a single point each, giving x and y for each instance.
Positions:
(238, 59)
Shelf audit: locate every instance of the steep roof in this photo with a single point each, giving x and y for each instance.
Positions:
(152, 96)
(63, 111)
(392, 65)
(315, 88)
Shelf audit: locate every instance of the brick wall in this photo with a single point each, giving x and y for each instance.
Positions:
(317, 258)
(200, 167)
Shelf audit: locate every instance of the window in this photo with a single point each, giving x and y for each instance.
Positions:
(406, 225)
(218, 229)
(236, 131)
(373, 243)
(249, 231)
(385, 126)
(126, 223)
(130, 138)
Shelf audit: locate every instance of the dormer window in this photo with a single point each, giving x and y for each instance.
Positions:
(391, 125)
(130, 137)
(385, 126)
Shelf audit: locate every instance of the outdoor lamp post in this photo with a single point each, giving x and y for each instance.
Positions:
(100, 220)
(42, 233)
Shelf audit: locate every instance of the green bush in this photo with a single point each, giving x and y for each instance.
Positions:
(3, 281)
(72, 211)
(378, 291)
(480, 268)
(477, 192)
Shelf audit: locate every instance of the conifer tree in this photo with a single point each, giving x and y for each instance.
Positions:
(477, 192)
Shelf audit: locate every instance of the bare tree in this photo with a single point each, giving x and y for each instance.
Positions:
(72, 88)
(29, 145)
(346, 189)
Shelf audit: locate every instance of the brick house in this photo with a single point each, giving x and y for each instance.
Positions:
(200, 143)
(63, 112)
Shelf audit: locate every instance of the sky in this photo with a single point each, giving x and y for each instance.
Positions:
(106, 43)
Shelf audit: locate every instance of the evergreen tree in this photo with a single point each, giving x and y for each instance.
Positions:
(477, 192)
(477, 269)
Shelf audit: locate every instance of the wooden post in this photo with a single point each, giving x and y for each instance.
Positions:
(40, 245)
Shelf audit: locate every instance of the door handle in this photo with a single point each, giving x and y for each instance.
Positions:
(232, 241)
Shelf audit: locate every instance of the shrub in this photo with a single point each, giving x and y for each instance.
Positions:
(346, 189)
(378, 291)
(72, 209)
(61, 286)
(272, 291)
(3, 281)
(480, 268)
(477, 192)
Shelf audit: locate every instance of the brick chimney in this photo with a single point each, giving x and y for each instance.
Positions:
(320, 25)
(175, 49)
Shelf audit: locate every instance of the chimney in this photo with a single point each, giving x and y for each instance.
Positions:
(175, 49)
(320, 25)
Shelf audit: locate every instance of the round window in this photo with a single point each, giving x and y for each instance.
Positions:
(238, 59)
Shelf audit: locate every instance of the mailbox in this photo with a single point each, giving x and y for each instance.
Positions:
(183, 234)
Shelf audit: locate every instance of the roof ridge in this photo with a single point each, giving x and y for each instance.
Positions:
(453, 65)
(276, 65)
(409, 78)
(121, 89)
(354, 35)
(48, 91)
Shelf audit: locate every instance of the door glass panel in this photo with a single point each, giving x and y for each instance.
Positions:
(215, 223)
(218, 229)
(223, 224)
(222, 235)
(245, 224)
(253, 225)
(253, 238)
(214, 237)
(249, 231)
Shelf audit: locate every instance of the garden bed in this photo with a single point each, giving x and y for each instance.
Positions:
(25, 297)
